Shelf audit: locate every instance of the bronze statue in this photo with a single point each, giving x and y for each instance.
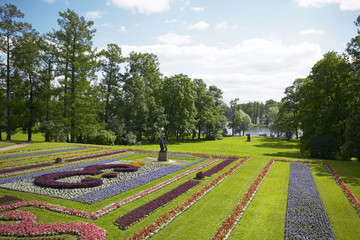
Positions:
(163, 143)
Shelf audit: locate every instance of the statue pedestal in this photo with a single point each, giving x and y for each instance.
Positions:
(163, 156)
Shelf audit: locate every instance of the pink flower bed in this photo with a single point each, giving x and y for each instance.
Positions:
(169, 216)
(228, 225)
(28, 227)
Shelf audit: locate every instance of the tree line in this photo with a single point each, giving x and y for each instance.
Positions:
(326, 105)
(59, 84)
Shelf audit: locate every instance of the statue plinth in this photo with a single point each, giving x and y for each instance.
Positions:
(163, 156)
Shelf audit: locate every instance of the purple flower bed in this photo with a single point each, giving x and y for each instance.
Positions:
(95, 156)
(218, 167)
(7, 199)
(109, 175)
(305, 214)
(115, 189)
(49, 180)
(40, 153)
(24, 167)
(140, 212)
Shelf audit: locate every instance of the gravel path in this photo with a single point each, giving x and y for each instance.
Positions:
(14, 146)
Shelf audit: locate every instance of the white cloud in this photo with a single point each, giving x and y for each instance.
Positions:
(123, 29)
(343, 4)
(142, 6)
(49, 1)
(93, 15)
(311, 31)
(255, 69)
(202, 25)
(175, 39)
(221, 25)
(197, 9)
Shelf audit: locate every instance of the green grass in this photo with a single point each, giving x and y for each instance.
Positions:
(22, 137)
(265, 216)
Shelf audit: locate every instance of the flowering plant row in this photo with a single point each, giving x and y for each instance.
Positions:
(347, 191)
(104, 210)
(41, 149)
(306, 217)
(95, 155)
(51, 166)
(230, 222)
(26, 167)
(49, 180)
(29, 227)
(40, 153)
(218, 167)
(169, 216)
(48, 156)
(140, 212)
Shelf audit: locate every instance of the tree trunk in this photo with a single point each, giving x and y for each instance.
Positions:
(8, 111)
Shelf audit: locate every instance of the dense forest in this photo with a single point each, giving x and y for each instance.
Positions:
(58, 84)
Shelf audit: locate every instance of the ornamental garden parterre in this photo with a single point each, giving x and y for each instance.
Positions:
(101, 193)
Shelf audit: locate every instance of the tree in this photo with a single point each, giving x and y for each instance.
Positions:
(324, 98)
(27, 59)
(245, 122)
(9, 32)
(178, 99)
(110, 65)
(77, 65)
(234, 119)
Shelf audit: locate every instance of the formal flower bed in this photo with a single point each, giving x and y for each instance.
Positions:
(50, 179)
(169, 216)
(229, 224)
(28, 227)
(306, 217)
(140, 212)
(117, 188)
(95, 155)
(347, 191)
(21, 168)
(40, 153)
(104, 210)
(74, 178)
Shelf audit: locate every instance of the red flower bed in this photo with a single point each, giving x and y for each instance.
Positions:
(347, 191)
(140, 212)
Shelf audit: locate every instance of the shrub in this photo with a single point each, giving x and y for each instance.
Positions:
(58, 160)
(200, 175)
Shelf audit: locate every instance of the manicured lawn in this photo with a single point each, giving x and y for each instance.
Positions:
(263, 219)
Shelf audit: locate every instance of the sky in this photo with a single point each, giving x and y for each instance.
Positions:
(250, 49)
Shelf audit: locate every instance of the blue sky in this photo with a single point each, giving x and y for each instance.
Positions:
(251, 49)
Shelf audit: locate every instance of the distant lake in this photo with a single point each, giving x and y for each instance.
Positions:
(254, 131)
